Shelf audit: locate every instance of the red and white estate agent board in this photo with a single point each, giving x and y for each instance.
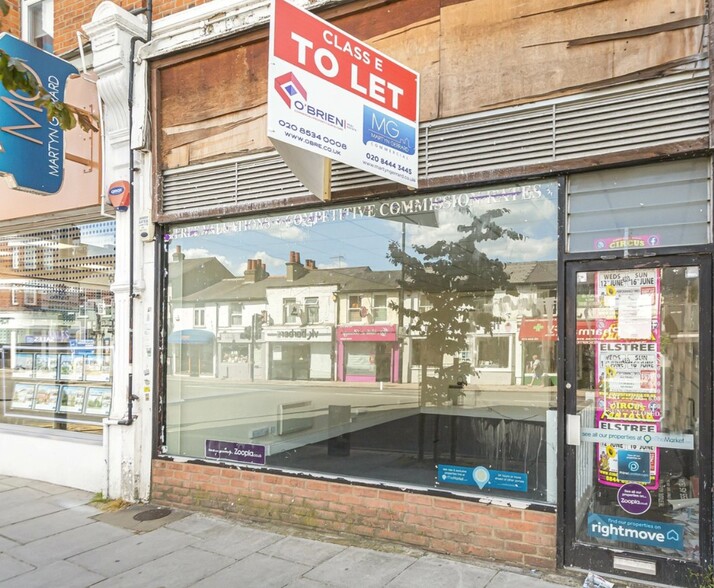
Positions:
(330, 94)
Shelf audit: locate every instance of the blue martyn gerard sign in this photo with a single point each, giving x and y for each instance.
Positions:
(31, 147)
(626, 530)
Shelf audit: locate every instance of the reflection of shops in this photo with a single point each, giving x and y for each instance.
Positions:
(537, 337)
(367, 353)
(299, 353)
(540, 337)
(240, 357)
(495, 356)
(192, 352)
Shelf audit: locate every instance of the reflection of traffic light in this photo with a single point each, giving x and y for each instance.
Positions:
(257, 326)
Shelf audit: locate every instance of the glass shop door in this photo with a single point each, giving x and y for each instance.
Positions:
(638, 418)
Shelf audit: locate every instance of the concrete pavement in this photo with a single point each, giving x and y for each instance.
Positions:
(55, 536)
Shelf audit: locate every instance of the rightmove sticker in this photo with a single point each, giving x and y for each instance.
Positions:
(626, 530)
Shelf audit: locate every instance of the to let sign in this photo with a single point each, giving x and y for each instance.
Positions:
(31, 147)
(330, 94)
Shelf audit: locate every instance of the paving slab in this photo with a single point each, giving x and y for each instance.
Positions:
(201, 525)
(48, 488)
(18, 495)
(238, 541)
(428, 572)
(180, 569)
(19, 482)
(360, 568)
(24, 511)
(300, 550)
(68, 544)
(59, 573)
(116, 557)
(11, 567)
(256, 570)
(505, 579)
(48, 525)
(305, 583)
(53, 536)
(6, 544)
(71, 499)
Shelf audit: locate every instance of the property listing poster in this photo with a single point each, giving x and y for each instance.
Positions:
(629, 384)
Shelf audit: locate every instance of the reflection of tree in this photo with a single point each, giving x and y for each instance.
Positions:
(455, 278)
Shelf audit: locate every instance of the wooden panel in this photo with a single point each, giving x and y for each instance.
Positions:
(381, 20)
(213, 106)
(472, 56)
(414, 47)
(236, 132)
(497, 53)
(214, 85)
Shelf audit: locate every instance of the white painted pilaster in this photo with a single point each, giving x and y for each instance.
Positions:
(127, 443)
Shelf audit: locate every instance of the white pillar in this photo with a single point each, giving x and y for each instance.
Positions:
(127, 444)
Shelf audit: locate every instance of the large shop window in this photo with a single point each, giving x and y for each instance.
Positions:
(57, 326)
(391, 341)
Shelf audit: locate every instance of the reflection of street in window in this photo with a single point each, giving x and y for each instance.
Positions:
(413, 352)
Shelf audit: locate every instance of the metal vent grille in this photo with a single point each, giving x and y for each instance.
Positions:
(632, 119)
(487, 142)
(628, 117)
(211, 186)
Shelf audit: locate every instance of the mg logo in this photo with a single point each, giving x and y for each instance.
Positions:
(381, 128)
(287, 87)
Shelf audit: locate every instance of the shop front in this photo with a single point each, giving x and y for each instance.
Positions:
(299, 353)
(57, 266)
(324, 410)
(542, 370)
(368, 353)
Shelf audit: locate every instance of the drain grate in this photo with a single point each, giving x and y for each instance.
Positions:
(152, 514)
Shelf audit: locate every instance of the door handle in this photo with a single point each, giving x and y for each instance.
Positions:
(572, 429)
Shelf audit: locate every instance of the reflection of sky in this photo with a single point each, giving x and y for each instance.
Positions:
(364, 241)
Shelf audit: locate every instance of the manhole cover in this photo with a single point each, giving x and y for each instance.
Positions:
(152, 514)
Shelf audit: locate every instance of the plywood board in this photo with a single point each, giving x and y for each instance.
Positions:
(498, 53)
(214, 85)
(415, 47)
(472, 56)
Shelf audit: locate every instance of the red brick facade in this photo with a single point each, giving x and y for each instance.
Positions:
(441, 525)
(70, 15)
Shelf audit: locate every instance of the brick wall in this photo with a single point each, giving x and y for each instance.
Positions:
(70, 15)
(11, 21)
(441, 525)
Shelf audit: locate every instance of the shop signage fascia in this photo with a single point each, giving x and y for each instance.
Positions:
(367, 333)
(288, 334)
(331, 97)
(25, 133)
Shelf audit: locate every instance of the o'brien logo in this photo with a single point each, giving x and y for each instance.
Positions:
(291, 90)
(25, 133)
(387, 131)
(287, 87)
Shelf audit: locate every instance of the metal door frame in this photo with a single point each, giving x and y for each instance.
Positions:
(589, 557)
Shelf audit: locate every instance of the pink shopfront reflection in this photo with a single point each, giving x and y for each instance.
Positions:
(367, 353)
